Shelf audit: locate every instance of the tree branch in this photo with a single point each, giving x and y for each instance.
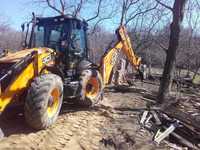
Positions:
(141, 12)
(109, 16)
(54, 8)
(164, 5)
(96, 24)
(98, 11)
(78, 9)
(123, 12)
(198, 4)
(125, 7)
(62, 6)
(160, 45)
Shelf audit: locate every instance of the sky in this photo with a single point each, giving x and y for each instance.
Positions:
(20, 11)
(16, 11)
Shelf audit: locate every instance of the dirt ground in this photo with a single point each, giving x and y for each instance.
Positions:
(98, 128)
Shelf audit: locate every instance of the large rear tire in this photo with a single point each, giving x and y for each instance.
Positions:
(43, 101)
(91, 85)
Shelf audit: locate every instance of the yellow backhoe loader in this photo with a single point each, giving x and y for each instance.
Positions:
(54, 66)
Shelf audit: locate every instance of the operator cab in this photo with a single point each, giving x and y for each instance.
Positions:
(66, 35)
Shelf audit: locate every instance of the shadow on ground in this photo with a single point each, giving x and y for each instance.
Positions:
(12, 120)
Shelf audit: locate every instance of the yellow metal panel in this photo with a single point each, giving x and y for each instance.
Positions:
(20, 84)
(15, 56)
(109, 59)
(108, 62)
(23, 80)
(127, 48)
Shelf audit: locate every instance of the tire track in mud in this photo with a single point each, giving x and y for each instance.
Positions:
(101, 128)
(77, 130)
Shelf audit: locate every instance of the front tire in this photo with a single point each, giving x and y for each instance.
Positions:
(43, 101)
(91, 85)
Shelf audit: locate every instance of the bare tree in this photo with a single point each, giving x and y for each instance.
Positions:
(67, 7)
(178, 14)
(62, 7)
(142, 18)
(9, 38)
(98, 42)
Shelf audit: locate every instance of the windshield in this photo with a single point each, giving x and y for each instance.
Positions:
(48, 36)
(77, 43)
(65, 37)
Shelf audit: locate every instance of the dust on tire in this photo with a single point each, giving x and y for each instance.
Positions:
(37, 99)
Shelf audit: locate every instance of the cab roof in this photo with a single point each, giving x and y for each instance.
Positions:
(57, 19)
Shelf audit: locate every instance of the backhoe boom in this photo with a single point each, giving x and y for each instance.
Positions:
(109, 59)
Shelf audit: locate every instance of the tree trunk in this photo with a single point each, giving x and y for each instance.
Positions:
(149, 63)
(178, 13)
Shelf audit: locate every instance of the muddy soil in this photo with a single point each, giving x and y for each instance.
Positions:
(98, 128)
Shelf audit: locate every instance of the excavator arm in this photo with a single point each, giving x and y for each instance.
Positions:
(109, 59)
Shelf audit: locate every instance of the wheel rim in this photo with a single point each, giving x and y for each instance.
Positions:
(92, 88)
(53, 102)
